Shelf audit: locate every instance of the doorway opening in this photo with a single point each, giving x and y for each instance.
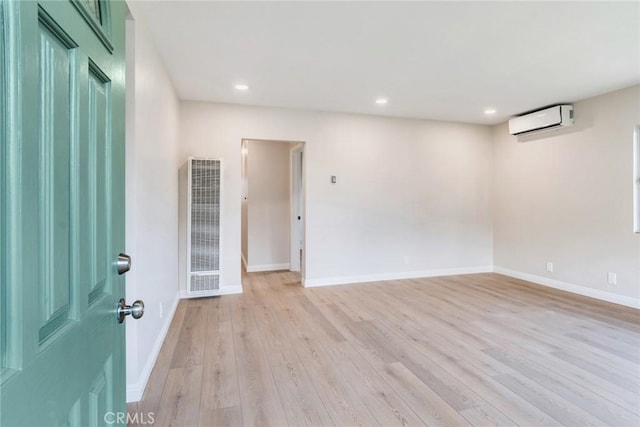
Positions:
(273, 206)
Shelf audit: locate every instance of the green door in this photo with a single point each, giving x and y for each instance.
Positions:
(62, 357)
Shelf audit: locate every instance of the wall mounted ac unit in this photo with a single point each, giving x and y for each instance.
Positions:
(542, 120)
(203, 226)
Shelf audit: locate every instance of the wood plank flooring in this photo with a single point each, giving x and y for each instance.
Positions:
(479, 349)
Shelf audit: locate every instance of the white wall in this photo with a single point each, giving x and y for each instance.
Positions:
(268, 206)
(412, 197)
(152, 199)
(566, 197)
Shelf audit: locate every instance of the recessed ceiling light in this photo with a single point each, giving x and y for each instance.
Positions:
(490, 111)
(242, 86)
(381, 101)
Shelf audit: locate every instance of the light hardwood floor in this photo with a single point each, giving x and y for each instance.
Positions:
(479, 349)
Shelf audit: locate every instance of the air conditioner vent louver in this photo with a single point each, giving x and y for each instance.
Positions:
(204, 198)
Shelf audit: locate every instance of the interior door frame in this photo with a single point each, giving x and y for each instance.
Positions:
(636, 179)
(297, 204)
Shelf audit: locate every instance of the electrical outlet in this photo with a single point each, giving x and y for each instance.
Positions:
(161, 310)
(550, 267)
(612, 278)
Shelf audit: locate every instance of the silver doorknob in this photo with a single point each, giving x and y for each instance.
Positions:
(136, 310)
(123, 263)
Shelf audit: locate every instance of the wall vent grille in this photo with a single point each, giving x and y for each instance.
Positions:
(204, 205)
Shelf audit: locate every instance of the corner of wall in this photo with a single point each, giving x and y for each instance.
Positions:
(182, 227)
(152, 196)
(564, 197)
(135, 390)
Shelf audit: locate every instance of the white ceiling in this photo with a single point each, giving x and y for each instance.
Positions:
(434, 60)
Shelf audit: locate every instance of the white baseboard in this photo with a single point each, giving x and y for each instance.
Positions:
(266, 267)
(136, 390)
(330, 281)
(225, 290)
(570, 287)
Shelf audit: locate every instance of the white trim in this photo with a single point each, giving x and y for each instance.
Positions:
(330, 281)
(135, 391)
(636, 179)
(188, 216)
(570, 287)
(224, 290)
(295, 204)
(266, 267)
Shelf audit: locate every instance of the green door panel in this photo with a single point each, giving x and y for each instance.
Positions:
(62, 212)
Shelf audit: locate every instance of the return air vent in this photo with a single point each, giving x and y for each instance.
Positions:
(203, 226)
